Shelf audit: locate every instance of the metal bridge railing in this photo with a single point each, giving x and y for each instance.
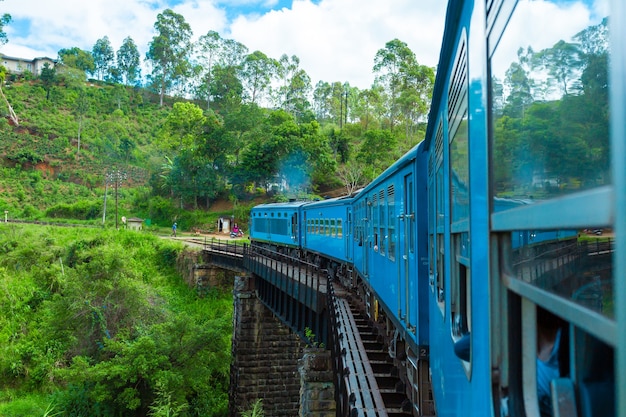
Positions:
(293, 289)
(230, 247)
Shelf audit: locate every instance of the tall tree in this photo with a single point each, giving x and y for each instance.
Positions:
(322, 94)
(295, 86)
(81, 107)
(414, 99)
(129, 61)
(391, 65)
(256, 73)
(226, 88)
(168, 52)
(103, 56)
(209, 49)
(563, 63)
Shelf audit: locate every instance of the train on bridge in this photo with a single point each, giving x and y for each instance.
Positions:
(471, 249)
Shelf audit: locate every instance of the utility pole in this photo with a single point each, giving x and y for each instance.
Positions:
(116, 176)
(106, 188)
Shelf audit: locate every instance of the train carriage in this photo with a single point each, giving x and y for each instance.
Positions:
(523, 311)
(390, 246)
(327, 231)
(277, 225)
(471, 244)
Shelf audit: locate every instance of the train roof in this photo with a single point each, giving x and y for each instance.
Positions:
(338, 200)
(288, 204)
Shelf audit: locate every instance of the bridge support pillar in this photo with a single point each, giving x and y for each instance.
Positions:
(265, 357)
(317, 391)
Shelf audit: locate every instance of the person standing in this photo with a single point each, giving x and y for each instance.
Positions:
(174, 229)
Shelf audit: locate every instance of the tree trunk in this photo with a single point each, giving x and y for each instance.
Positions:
(12, 114)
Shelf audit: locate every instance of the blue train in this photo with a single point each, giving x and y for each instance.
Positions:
(468, 247)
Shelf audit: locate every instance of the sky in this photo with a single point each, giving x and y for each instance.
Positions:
(335, 40)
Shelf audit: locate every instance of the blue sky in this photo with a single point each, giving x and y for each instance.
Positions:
(336, 40)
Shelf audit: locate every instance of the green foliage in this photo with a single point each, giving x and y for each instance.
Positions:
(256, 409)
(80, 210)
(101, 321)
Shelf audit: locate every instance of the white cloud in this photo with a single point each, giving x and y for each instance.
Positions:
(336, 40)
(540, 16)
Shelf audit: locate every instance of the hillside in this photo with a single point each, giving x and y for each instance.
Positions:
(80, 144)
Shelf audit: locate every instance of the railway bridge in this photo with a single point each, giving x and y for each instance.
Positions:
(301, 342)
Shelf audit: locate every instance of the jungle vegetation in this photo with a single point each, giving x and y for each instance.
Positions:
(211, 120)
(99, 323)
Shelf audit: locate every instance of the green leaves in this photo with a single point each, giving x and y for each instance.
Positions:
(102, 318)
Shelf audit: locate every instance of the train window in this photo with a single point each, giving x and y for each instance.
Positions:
(458, 134)
(327, 227)
(460, 300)
(549, 153)
(374, 215)
(551, 139)
(333, 228)
(339, 229)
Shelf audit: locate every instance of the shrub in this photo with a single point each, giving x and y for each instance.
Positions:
(80, 210)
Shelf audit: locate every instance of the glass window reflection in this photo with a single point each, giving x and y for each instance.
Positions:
(550, 101)
(550, 124)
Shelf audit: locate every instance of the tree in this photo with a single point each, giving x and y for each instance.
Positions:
(351, 174)
(103, 56)
(414, 98)
(128, 61)
(168, 52)
(48, 77)
(4, 20)
(81, 107)
(12, 115)
(391, 66)
(77, 58)
(256, 73)
(563, 62)
(183, 126)
(369, 107)
(226, 88)
(296, 86)
(377, 151)
(331, 102)
(209, 47)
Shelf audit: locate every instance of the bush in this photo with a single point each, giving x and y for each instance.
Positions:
(81, 210)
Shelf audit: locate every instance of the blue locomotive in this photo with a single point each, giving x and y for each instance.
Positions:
(468, 246)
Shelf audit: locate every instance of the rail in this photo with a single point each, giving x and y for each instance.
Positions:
(356, 389)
